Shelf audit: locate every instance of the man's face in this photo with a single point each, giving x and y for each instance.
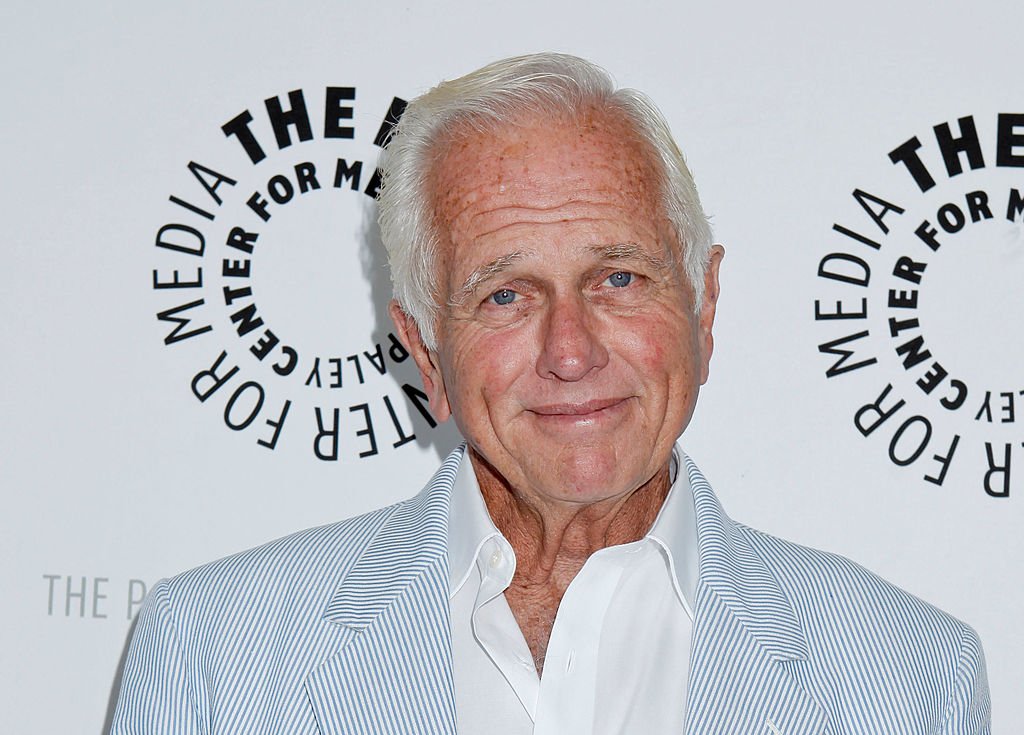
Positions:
(568, 349)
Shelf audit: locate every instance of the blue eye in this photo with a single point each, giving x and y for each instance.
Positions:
(503, 297)
(620, 279)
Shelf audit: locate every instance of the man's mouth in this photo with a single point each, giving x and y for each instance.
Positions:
(583, 410)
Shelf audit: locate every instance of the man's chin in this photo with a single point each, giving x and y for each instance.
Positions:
(589, 472)
(574, 467)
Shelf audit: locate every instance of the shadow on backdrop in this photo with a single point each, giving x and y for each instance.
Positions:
(443, 438)
(115, 686)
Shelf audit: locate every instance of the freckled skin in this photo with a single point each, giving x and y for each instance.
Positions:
(572, 394)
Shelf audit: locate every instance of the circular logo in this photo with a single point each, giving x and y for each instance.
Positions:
(269, 265)
(919, 298)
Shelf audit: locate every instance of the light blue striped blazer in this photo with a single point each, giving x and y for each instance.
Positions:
(345, 629)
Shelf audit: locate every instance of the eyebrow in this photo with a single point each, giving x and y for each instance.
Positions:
(630, 251)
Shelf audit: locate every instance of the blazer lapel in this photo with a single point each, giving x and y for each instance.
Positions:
(747, 640)
(393, 673)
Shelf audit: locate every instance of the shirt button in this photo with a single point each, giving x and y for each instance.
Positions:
(496, 559)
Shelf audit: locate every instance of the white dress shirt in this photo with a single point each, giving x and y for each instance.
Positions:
(618, 657)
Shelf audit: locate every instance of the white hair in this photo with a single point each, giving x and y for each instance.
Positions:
(499, 94)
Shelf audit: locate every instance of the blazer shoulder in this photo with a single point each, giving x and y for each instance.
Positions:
(294, 570)
(817, 581)
(245, 628)
(293, 577)
(856, 621)
(861, 628)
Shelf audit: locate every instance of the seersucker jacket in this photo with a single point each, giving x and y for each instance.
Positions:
(345, 629)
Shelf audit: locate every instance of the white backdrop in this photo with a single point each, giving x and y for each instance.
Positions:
(115, 474)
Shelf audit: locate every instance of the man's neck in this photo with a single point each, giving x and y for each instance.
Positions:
(552, 541)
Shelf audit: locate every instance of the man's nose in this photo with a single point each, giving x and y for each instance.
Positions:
(571, 345)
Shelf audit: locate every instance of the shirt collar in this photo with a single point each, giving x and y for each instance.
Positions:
(674, 530)
(469, 525)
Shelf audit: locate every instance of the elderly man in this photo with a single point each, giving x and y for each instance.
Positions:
(568, 570)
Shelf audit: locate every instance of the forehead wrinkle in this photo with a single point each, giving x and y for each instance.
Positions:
(483, 274)
(540, 219)
(556, 207)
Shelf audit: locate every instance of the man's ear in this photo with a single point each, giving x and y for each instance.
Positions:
(426, 361)
(706, 320)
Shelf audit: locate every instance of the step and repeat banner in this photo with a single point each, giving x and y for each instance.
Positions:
(198, 356)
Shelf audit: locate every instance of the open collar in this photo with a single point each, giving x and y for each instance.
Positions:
(674, 529)
(394, 664)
